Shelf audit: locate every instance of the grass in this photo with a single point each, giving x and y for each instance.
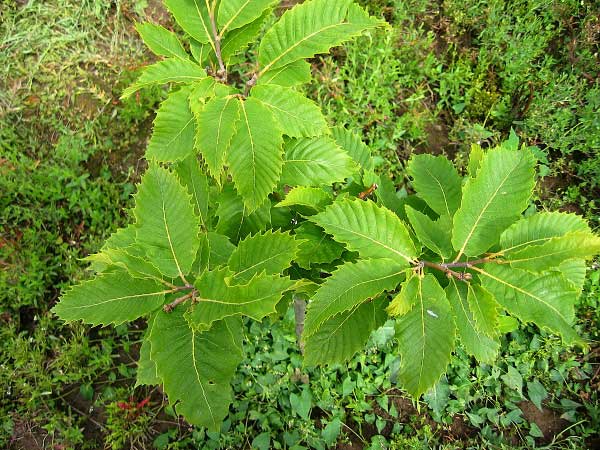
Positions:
(444, 75)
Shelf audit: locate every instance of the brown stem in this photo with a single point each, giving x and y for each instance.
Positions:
(447, 267)
(190, 295)
(222, 72)
(462, 276)
(363, 195)
(250, 84)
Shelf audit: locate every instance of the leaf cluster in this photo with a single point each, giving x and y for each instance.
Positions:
(237, 214)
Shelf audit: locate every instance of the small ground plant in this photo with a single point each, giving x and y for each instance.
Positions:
(251, 200)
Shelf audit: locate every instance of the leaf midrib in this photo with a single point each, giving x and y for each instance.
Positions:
(258, 264)
(116, 299)
(522, 291)
(380, 243)
(252, 146)
(301, 41)
(318, 321)
(167, 230)
(483, 211)
(441, 189)
(200, 383)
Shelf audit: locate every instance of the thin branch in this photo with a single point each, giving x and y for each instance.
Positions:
(222, 72)
(363, 195)
(187, 287)
(171, 306)
(462, 276)
(192, 294)
(250, 84)
(447, 267)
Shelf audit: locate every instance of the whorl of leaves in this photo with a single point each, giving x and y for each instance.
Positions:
(237, 213)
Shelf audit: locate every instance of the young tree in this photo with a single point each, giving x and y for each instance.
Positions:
(250, 197)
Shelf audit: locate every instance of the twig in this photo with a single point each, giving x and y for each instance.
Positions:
(250, 84)
(363, 195)
(447, 267)
(87, 416)
(462, 276)
(171, 306)
(222, 72)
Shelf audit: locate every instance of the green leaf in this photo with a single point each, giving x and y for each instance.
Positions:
(507, 324)
(309, 197)
(475, 156)
(482, 347)
(426, 336)
(513, 379)
(200, 51)
(271, 252)
(484, 308)
(146, 368)
(435, 235)
(161, 41)
(193, 17)
(574, 270)
(371, 230)
(331, 432)
(167, 224)
(196, 368)
(539, 229)
(387, 196)
(346, 333)
(201, 91)
(293, 74)
(215, 250)
(237, 13)
(123, 237)
(171, 70)
(437, 182)
(548, 239)
(262, 441)
(535, 431)
(237, 40)
(255, 157)
(218, 299)
(174, 129)
(216, 127)
(111, 298)
(297, 115)
(316, 247)
(234, 219)
(301, 404)
(552, 253)
(132, 259)
(537, 393)
(547, 299)
(315, 162)
(493, 200)
(196, 182)
(356, 148)
(405, 299)
(348, 287)
(311, 28)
